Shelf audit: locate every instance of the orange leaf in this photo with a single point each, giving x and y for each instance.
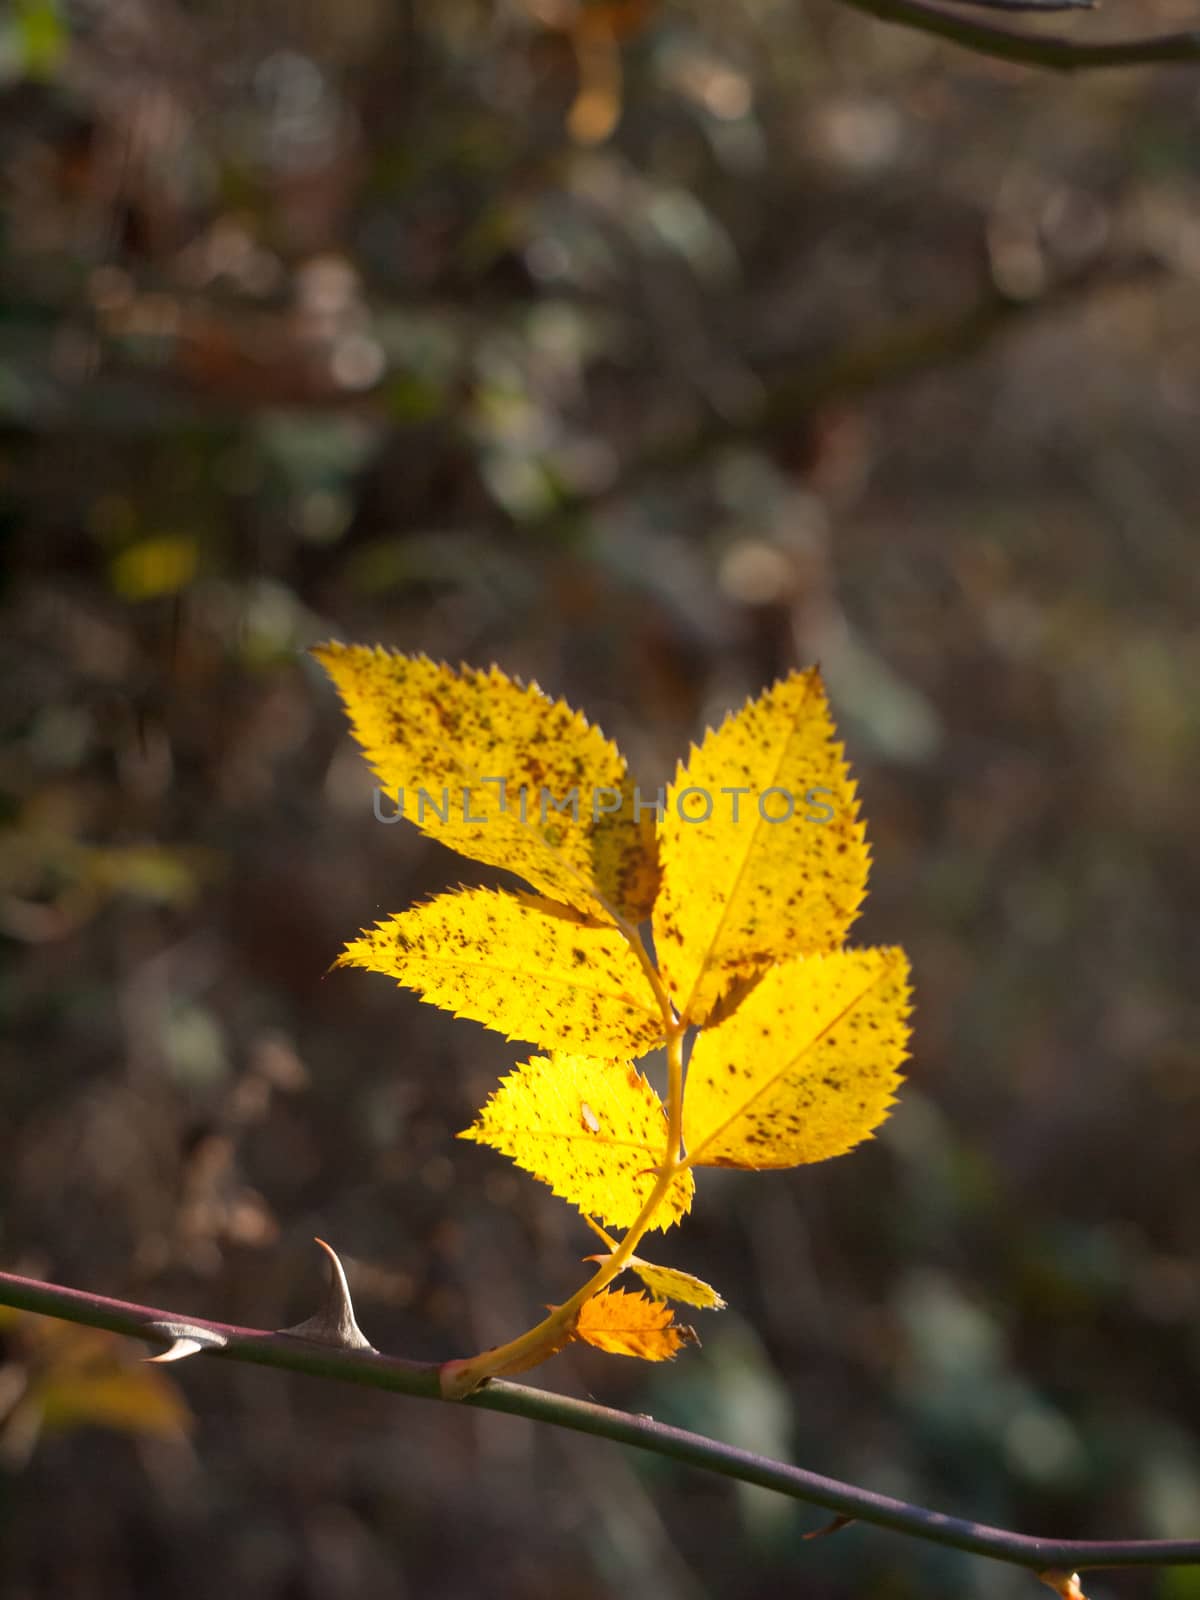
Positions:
(630, 1325)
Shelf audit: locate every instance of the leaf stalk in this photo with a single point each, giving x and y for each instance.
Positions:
(462, 1377)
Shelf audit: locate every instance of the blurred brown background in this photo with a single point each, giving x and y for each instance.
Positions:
(649, 350)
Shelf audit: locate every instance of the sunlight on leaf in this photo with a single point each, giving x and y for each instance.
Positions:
(592, 1130)
(628, 1324)
(457, 736)
(764, 867)
(519, 965)
(805, 1068)
(669, 1283)
(738, 895)
(664, 1283)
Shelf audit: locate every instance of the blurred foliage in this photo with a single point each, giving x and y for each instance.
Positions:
(64, 1377)
(650, 350)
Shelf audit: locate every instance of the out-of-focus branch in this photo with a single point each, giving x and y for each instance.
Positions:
(323, 1347)
(1031, 5)
(1030, 49)
(871, 362)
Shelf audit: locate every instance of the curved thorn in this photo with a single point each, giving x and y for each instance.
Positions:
(186, 1340)
(178, 1351)
(839, 1522)
(333, 1322)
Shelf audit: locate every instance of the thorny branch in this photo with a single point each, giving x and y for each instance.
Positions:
(317, 1348)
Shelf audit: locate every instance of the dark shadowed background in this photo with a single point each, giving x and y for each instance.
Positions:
(649, 350)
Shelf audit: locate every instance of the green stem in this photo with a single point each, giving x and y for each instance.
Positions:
(420, 1379)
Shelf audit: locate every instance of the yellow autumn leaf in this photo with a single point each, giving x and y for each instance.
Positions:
(502, 773)
(80, 1376)
(805, 1068)
(763, 855)
(630, 1325)
(594, 1131)
(147, 872)
(165, 564)
(135, 1401)
(669, 1283)
(664, 1283)
(519, 964)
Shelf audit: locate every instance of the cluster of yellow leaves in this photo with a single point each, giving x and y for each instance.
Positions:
(750, 900)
